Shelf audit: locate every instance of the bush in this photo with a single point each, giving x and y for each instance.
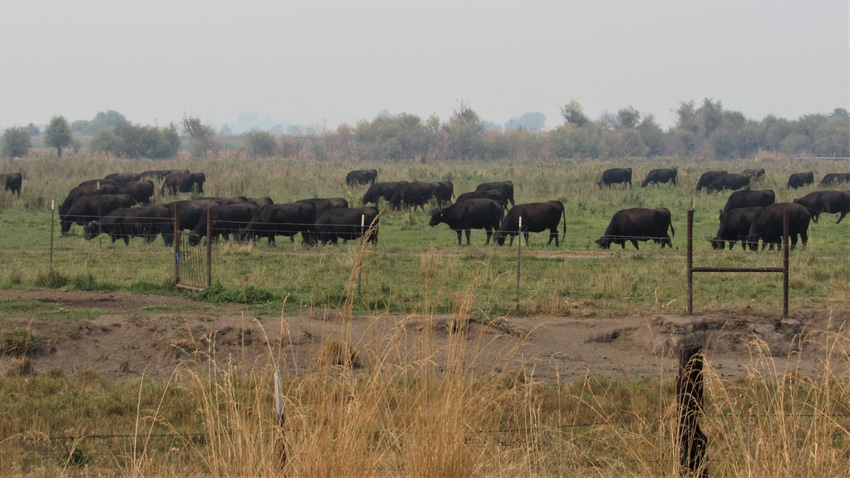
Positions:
(20, 342)
(16, 142)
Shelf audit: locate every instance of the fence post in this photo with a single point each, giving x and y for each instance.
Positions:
(209, 246)
(281, 419)
(689, 398)
(52, 227)
(176, 244)
(690, 261)
(785, 234)
(362, 242)
(518, 259)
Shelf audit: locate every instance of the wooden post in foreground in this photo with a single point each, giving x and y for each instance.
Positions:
(689, 401)
(281, 419)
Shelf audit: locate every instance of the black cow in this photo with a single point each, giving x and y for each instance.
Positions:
(734, 226)
(414, 194)
(161, 174)
(189, 213)
(12, 182)
(87, 188)
(467, 215)
(493, 194)
(799, 180)
(281, 220)
(122, 177)
(321, 205)
(92, 208)
(767, 225)
(444, 193)
(225, 219)
(831, 202)
(616, 176)
(184, 183)
(661, 176)
(347, 224)
(749, 198)
(536, 217)
(731, 181)
(754, 173)
(638, 224)
(361, 176)
(128, 222)
(505, 189)
(707, 179)
(384, 190)
(834, 178)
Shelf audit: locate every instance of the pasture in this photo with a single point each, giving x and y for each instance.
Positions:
(425, 372)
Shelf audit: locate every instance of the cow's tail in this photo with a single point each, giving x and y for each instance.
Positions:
(672, 231)
(564, 217)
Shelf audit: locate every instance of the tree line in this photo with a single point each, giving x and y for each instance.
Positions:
(702, 131)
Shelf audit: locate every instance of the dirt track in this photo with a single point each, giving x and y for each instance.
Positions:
(130, 335)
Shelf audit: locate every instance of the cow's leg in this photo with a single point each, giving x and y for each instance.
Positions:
(489, 233)
(634, 243)
(525, 234)
(553, 234)
(840, 217)
(460, 235)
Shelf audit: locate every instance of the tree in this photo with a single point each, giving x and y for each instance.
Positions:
(137, 141)
(463, 134)
(16, 142)
(58, 134)
(574, 114)
(260, 144)
(201, 136)
(102, 120)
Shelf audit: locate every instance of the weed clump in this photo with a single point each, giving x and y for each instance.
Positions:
(51, 280)
(20, 342)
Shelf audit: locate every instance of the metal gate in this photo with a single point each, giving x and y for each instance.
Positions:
(192, 264)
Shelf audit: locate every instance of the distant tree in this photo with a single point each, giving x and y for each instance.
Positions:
(102, 120)
(711, 115)
(16, 142)
(573, 114)
(841, 113)
(463, 134)
(528, 122)
(138, 141)
(652, 136)
(260, 144)
(225, 131)
(58, 134)
(33, 130)
(201, 136)
(628, 117)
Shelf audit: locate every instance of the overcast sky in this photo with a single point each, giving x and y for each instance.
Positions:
(346, 61)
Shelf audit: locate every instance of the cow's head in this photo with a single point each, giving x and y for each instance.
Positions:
(604, 242)
(91, 230)
(717, 243)
(436, 217)
(499, 237)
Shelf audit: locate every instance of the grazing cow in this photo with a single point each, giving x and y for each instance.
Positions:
(729, 181)
(834, 178)
(831, 202)
(184, 183)
(707, 178)
(189, 213)
(616, 176)
(361, 176)
(754, 173)
(799, 180)
(493, 194)
(160, 174)
(126, 223)
(384, 190)
(122, 177)
(638, 224)
(87, 188)
(467, 215)
(348, 224)
(92, 208)
(767, 225)
(225, 219)
(281, 220)
(321, 205)
(444, 193)
(660, 176)
(504, 188)
(734, 226)
(414, 194)
(749, 198)
(12, 182)
(536, 217)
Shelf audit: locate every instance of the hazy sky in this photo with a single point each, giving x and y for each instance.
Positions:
(346, 61)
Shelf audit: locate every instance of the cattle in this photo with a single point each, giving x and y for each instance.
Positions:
(125, 223)
(414, 194)
(707, 179)
(767, 225)
(616, 176)
(467, 215)
(444, 193)
(504, 188)
(321, 205)
(184, 183)
(536, 217)
(224, 220)
(749, 198)
(160, 174)
(831, 202)
(799, 180)
(660, 176)
(189, 213)
(734, 226)
(361, 176)
(638, 224)
(493, 194)
(347, 224)
(834, 178)
(731, 181)
(384, 190)
(281, 220)
(754, 173)
(92, 208)
(122, 177)
(12, 182)
(87, 189)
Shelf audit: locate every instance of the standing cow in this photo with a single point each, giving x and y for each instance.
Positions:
(473, 214)
(799, 180)
(92, 208)
(224, 220)
(754, 173)
(347, 224)
(616, 176)
(661, 176)
(834, 178)
(734, 226)
(385, 190)
(536, 217)
(505, 190)
(184, 183)
(361, 176)
(830, 202)
(749, 198)
(281, 220)
(638, 224)
(768, 225)
(12, 182)
(731, 181)
(707, 178)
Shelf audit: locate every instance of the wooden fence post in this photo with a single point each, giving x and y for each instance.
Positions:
(281, 419)
(689, 399)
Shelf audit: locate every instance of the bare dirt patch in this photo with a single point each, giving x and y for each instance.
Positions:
(122, 335)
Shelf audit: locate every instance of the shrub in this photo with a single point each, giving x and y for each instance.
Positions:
(20, 342)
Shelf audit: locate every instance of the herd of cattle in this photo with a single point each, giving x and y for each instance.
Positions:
(120, 205)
